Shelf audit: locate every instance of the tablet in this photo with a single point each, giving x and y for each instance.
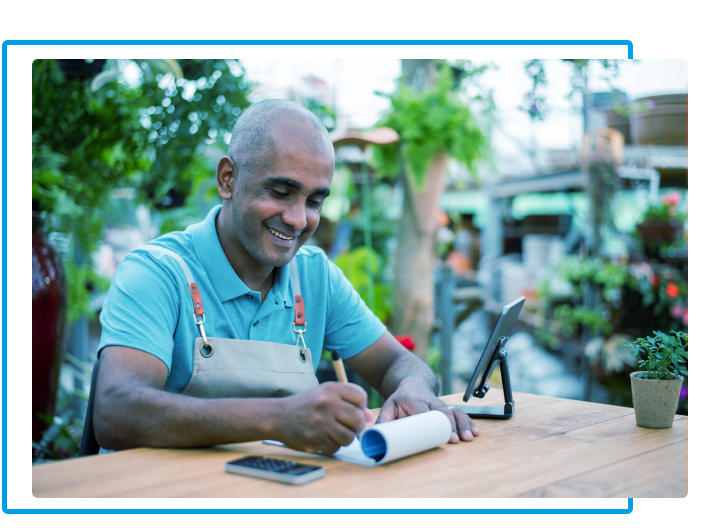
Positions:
(488, 360)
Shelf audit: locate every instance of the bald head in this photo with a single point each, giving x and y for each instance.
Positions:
(252, 143)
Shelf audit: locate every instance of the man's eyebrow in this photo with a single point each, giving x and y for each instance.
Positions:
(282, 180)
(288, 182)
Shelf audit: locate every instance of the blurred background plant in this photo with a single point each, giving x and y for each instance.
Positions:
(111, 137)
(429, 121)
(434, 124)
(91, 142)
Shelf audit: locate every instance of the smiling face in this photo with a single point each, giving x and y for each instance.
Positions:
(271, 210)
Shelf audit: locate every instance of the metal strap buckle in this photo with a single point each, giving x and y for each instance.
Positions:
(300, 335)
(201, 328)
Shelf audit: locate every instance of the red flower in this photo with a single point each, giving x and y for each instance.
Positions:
(672, 290)
(407, 341)
(654, 280)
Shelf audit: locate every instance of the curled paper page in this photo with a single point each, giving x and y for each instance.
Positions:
(400, 438)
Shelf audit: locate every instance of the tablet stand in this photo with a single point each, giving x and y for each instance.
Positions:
(500, 356)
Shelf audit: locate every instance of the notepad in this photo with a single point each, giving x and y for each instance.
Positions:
(389, 441)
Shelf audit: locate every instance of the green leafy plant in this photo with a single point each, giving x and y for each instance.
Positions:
(654, 295)
(90, 140)
(354, 265)
(663, 357)
(428, 122)
(668, 209)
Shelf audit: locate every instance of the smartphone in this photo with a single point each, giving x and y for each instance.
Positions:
(275, 469)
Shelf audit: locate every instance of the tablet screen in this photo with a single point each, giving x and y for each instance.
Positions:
(503, 328)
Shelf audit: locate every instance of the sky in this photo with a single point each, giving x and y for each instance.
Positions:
(353, 83)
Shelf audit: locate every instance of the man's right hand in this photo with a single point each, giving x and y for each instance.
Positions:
(323, 418)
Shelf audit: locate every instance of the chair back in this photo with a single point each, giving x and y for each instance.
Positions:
(89, 445)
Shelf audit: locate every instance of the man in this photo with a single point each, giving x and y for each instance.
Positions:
(159, 382)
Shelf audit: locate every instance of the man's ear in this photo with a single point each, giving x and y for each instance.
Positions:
(226, 177)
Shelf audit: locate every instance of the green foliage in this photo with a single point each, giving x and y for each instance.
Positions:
(568, 317)
(663, 357)
(87, 144)
(666, 210)
(535, 69)
(354, 266)
(60, 440)
(327, 115)
(182, 116)
(656, 295)
(434, 358)
(82, 281)
(428, 122)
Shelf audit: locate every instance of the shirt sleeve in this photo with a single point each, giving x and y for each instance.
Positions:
(141, 310)
(351, 326)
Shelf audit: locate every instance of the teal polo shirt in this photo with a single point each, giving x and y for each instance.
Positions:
(149, 307)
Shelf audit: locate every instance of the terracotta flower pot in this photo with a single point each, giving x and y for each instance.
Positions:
(665, 230)
(655, 401)
(661, 120)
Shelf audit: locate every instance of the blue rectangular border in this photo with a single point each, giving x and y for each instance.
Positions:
(7, 43)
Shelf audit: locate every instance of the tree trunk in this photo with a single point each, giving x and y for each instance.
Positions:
(414, 309)
(413, 263)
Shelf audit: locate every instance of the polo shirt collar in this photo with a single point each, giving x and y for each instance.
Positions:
(283, 279)
(211, 256)
(209, 252)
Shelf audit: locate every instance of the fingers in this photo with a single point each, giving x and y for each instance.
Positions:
(473, 427)
(325, 445)
(466, 428)
(351, 393)
(387, 412)
(351, 417)
(340, 435)
(439, 405)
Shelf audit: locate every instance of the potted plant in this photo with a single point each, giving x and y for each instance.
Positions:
(662, 222)
(656, 389)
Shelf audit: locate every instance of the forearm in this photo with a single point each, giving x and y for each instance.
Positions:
(150, 417)
(408, 368)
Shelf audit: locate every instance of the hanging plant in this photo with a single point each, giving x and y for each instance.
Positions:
(429, 122)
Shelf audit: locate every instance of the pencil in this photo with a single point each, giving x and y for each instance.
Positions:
(339, 367)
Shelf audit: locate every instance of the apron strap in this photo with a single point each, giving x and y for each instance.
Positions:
(299, 318)
(198, 309)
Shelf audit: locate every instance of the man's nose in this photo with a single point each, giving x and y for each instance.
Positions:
(295, 216)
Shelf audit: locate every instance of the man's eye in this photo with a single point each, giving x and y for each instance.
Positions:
(278, 193)
(316, 203)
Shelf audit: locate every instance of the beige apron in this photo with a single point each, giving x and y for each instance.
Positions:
(236, 368)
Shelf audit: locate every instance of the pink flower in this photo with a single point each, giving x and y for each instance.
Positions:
(685, 319)
(672, 198)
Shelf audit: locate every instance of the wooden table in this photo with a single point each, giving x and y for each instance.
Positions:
(551, 448)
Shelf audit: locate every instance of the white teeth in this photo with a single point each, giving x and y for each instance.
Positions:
(280, 235)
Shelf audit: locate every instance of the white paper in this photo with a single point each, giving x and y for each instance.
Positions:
(389, 441)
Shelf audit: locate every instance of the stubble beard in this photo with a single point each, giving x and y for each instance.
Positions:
(255, 243)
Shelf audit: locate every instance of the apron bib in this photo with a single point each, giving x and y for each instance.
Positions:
(238, 368)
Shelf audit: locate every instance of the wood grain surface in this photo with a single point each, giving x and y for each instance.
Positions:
(550, 448)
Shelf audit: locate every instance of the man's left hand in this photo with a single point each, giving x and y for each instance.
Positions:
(413, 397)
